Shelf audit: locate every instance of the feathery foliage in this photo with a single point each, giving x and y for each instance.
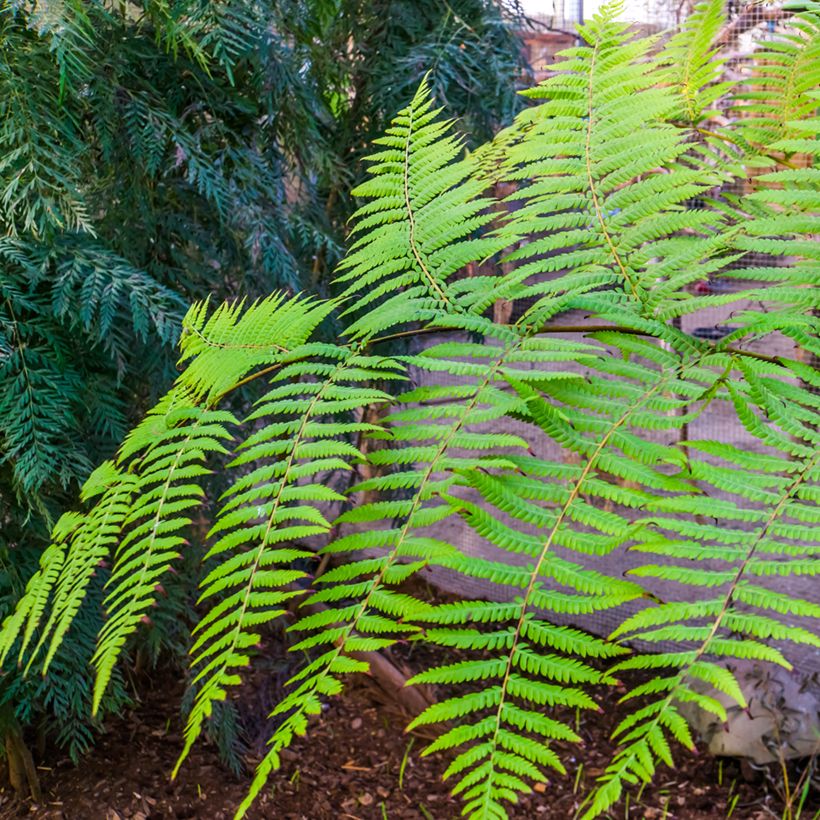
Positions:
(152, 154)
(553, 445)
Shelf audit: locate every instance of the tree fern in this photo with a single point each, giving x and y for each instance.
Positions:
(154, 154)
(553, 443)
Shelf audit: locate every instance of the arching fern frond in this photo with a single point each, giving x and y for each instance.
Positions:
(785, 78)
(693, 65)
(277, 501)
(765, 535)
(602, 182)
(85, 543)
(547, 511)
(167, 451)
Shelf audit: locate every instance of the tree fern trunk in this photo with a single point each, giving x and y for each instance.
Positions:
(22, 773)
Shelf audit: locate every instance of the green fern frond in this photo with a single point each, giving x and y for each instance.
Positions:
(221, 346)
(784, 83)
(601, 179)
(716, 627)
(693, 63)
(567, 521)
(168, 450)
(278, 500)
(91, 544)
(418, 229)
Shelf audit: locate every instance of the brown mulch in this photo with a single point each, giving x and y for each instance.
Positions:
(358, 763)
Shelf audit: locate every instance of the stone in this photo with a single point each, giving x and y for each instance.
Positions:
(781, 720)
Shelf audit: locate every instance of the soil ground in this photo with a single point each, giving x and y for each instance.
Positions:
(357, 763)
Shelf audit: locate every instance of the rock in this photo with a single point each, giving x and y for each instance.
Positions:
(781, 721)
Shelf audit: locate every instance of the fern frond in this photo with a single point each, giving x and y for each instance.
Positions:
(91, 544)
(601, 179)
(720, 626)
(693, 65)
(223, 345)
(785, 80)
(557, 518)
(277, 500)
(418, 229)
(168, 449)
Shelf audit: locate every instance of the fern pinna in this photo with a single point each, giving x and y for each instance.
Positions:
(554, 445)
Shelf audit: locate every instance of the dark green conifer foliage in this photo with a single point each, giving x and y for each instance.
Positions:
(619, 205)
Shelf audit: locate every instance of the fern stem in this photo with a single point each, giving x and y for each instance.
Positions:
(258, 374)
(232, 346)
(417, 500)
(568, 328)
(544, 329)
(592, 188)
(411, 220)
